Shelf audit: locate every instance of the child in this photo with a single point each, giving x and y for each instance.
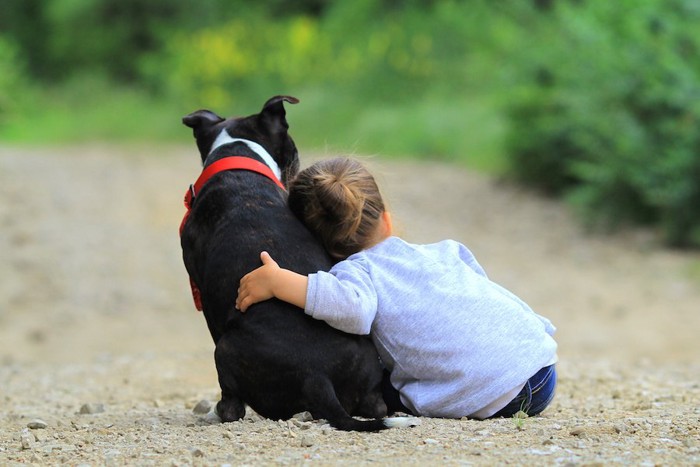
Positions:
(455, 343)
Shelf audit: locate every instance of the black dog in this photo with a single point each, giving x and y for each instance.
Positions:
(274, 358)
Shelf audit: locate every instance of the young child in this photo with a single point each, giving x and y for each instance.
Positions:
(455, 343)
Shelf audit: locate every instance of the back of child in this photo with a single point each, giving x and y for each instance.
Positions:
(455, 343)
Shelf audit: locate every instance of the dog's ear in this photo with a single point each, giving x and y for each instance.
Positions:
(201, 118)
(273, 115)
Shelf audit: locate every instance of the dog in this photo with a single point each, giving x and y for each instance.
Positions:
(274, 358)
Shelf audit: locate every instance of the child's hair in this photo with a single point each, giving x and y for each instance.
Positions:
(339, 201)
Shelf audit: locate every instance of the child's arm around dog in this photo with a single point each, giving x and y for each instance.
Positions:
(269, 281)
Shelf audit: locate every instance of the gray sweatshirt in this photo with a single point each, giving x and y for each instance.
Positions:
(454, 341)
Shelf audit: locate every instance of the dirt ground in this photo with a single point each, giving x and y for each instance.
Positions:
(103, 357)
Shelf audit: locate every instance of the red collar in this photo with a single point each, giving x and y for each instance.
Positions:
(228, 163)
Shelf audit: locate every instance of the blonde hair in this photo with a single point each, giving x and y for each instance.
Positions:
(339, 201)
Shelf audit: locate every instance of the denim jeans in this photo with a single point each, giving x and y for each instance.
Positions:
(535, 396)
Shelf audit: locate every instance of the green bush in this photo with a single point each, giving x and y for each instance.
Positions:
(12, 86)
(607, 113)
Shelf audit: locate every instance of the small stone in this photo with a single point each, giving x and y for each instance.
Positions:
(307, 441)
(430, 441)
(301, 425)
(620, 428)
(212, 417)
(27, 439)
(577, 431)
(91, 409)
(37, 424)
(202, 407)
(303, 417)
(196, 452)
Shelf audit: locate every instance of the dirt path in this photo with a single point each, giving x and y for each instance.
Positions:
(95, 314)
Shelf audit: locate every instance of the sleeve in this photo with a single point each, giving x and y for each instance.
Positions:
(468, 258)
(548, 326)
(344, 297)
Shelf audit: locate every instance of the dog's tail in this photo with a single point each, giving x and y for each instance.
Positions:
(348, 423)
(327, 406)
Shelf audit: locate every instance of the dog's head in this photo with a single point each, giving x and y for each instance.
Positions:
(267, 128)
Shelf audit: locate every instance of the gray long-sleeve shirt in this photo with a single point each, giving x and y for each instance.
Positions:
(453, 340)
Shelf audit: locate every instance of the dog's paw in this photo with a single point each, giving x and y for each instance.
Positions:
(401, 422)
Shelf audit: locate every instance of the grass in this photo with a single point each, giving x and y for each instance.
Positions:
(693, 270)
(465, 129)
(92, 110)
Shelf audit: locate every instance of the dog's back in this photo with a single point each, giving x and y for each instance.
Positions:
(274, 358)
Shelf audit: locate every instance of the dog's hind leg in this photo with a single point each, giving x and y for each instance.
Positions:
(372, 405)
(321, 396)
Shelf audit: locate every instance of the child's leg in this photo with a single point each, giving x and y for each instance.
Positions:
(535, 396)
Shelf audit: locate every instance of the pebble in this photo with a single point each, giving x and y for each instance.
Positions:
(202, 407)
(303, 417)
(27, 439)
(91, 409)
(37, 424)
(307, 441)
(212, 417)
(577, 431)
(620, 428)
(301, 425)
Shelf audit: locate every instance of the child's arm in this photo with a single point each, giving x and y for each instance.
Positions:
(269, 281)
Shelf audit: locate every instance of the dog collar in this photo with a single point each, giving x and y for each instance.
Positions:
(229, 163)
(225, 138)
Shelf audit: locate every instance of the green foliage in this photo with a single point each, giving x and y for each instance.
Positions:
(609, 113)
(394, 80)
(12, 88)
(92, 108)
(61, 38)
(594, 100)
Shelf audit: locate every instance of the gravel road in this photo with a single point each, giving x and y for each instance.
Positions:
(104, 361)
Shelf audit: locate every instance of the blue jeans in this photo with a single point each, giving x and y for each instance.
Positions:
(535, 396)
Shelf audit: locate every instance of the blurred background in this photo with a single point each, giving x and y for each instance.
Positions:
(524, 128)
(594, 101)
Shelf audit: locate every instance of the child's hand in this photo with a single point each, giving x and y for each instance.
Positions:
(258, 285)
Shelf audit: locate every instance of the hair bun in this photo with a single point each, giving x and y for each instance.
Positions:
(341, 200)
(340, 203)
